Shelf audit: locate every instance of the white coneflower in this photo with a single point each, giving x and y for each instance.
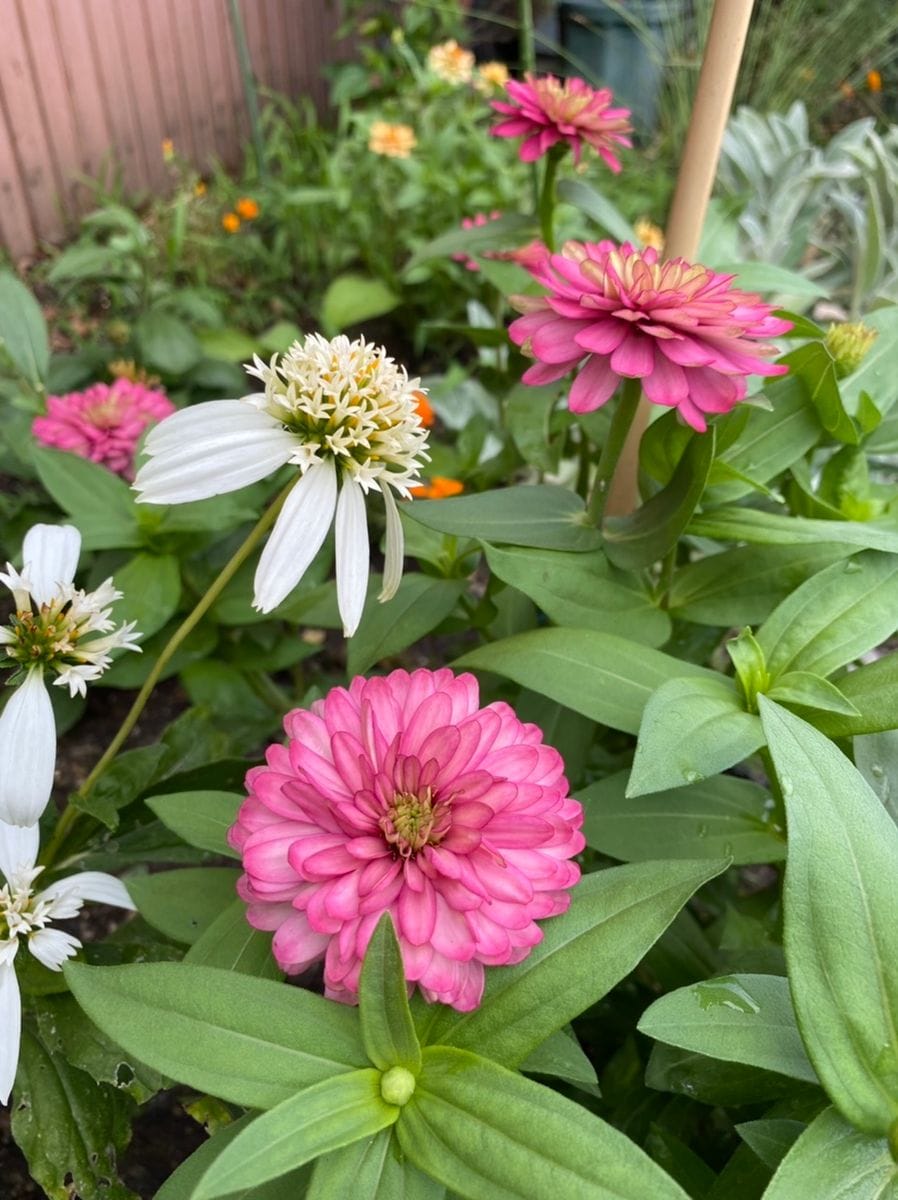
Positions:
(25, 916)
(59, 629)
(346, 415)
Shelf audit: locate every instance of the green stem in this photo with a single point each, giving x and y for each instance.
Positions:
(668, 566)
(627, 404)
(526, 42)
(70, 814)
(547, 196)
(250, 93)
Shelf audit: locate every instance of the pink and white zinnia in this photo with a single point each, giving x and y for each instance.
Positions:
(401, 795)
(346, 415)
(620, 313)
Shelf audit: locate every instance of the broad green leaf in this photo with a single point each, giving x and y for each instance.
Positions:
(876, 374)
(351, 299)
(490, 1134)
(231, 345)
(832, 1161)
(834, 617)
(715, 1081)
(251, 1041)
(151, 590)
(873, 690)
(743, 586)
(387, 1027)
(692, 728)
(386, 629)
(201, 818)
(802, 689)
(615, 916)
(320, 1118)
(528, 411)
(23, 330)
(536, 514)
(876, 757)
(182, 903)
(507, 231)
(581, 195)
(561, 1057)
(815, 367)
(645, 537)
(231, 942)
(166, 343)
(69, 1127)
(738, 1018)
(580, 591)
(599, 675)
(98, 502)
(771, 1139)
(771, 529)
(723, 817)
(840, 933)
(767, 277)
(181, 1185)
(370, 1169)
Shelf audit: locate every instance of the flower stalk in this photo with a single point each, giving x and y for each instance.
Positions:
(627, 405)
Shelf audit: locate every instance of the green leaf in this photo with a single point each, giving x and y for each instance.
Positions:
(714, 1081)
(645, 536)
(834, 617)
(873, 690)
(129, 775)
(370, 1169)
(201, 818)
(581, 591)
(387, 1027)
(489, 1134)
(601, 676)
(69, 1127)
(767, 277)
(98, 501)
(528, 412)
(23, 330)
(536, 514)
(811, 691)
(615, 916)
(230, 942)
(692, 728)
(330, 1114)
(581, 195)
(165, 343)
(723, 817)
(507, 231)
(561, 1057)
(771, 1139)
(351, 299)
(182, 903)
(771, 529)
(832, 1161)
(876, 757)
(738, 1018)
(251, 1041)
(743, 586)
(151, 591)
(816, 368)
(230, 345)
(386, 629)
(877, 371)
(840, 933)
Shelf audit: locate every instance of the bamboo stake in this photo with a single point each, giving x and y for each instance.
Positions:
(698, 167)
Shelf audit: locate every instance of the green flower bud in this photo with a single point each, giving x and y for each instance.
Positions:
(848, 344)
(397, 1086)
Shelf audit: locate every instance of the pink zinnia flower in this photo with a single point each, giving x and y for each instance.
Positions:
(550, 110)
(620, 312)
(103, 423)
(476, 222)
(401, 795)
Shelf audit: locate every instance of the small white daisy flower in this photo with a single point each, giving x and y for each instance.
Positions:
(341, 411)
(56, 628)
(26, 916)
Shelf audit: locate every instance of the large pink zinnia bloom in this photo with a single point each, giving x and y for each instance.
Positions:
(680, 328)
(103, 423)
(549, 110)
(401, 795)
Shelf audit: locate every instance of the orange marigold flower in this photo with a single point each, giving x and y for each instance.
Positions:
(394, 141)
(230, 222)
(438, 489)
(247, 208)
(425, 411)
(874, 81)
(199, 188)
(168, 149)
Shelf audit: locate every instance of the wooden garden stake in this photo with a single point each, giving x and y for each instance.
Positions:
(698, 167)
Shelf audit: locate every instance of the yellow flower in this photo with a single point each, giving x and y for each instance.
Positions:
(247, 208)
(395, 141)
(874, 81)
(451, 62)
(491, 76)
(168, 149)
(649, 233)
(199, 188)
(127, 368)
(230, 222)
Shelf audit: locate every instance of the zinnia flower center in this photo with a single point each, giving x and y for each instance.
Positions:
(559, 101)
(415, 820)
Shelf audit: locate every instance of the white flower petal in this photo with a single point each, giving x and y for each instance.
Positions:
(27, 752)
(353, 555)
(52, 947)
(297, 536)
(18, 848)
(198, 420)
(10, 1029)
(90, 885)
(394, 548)
(50, 559)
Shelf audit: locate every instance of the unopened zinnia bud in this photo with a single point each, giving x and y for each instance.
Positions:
(848, 343)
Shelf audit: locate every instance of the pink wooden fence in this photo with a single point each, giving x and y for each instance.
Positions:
(88, 83)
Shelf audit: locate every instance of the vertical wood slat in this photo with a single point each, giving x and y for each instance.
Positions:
(84, 83)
